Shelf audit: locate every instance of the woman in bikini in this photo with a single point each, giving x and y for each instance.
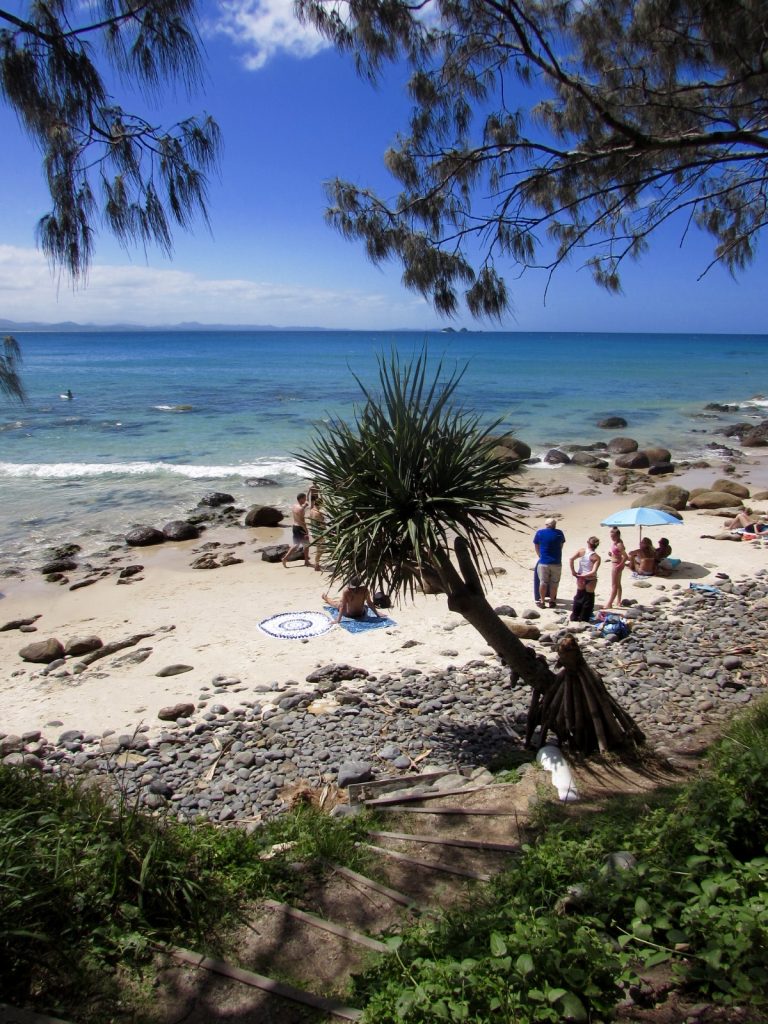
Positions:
(618, 556)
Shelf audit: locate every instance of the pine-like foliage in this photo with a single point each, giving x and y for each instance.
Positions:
(544, 129)
(10, 360)
(101, 161)
(404, 479)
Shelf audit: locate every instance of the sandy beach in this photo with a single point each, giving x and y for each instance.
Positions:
(208, 619)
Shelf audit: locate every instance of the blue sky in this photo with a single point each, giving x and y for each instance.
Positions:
(294, 114)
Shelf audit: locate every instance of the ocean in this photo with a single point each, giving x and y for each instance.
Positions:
(158, 418)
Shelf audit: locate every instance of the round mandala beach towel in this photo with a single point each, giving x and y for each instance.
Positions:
(296, 625)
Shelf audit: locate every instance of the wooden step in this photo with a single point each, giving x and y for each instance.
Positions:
(383, 890)
(270, 985)
(466, 844)
(489, 811)
(477, 876)
(328, 926)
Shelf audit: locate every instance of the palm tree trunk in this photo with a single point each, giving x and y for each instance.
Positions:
(572, 702)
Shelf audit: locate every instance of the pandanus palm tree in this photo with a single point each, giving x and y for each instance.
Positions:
(413, 486)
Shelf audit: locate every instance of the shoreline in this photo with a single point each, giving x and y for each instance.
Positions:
(85, 500)
(208, 619)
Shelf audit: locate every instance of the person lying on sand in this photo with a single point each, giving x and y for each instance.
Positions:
(354, 600)
(750, 526)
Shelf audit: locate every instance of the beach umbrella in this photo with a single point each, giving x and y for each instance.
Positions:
(641, 517)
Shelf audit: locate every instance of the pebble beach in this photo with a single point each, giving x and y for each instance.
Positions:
(199, 711)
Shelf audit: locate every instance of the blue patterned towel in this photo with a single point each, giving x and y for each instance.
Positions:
(371, 621)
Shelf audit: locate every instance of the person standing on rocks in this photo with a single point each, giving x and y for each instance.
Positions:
(586, 580)
(549, 549)
(300, 532)
(618, 556)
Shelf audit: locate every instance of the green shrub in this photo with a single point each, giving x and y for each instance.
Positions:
(559, 935)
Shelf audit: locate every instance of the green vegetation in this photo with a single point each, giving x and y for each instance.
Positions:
(559, 935)
(87, 882)
(59, 66)
(678, 878)
(10, 360)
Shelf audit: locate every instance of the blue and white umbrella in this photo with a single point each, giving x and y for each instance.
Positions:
(641, 517)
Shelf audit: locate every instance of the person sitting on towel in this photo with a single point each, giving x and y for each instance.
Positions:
(662, 553)
(643, 559)
(355, 599)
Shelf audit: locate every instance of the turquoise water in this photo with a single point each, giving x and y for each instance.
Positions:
(159, 418)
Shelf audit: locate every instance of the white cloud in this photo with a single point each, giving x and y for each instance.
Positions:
(264, 28)
(148, 295)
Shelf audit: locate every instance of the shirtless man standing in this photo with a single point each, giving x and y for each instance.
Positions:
(300, 532)
(353, 601)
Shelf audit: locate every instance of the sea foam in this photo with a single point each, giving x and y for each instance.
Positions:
(273, 470)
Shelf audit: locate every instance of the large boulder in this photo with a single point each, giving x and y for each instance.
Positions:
(732, 487)
(633, 460)
(656, 455)
(556, 458)
(512, 448)
(180, 529)
(714, 499)
(79, 645)
(215, 499)
(736, 429)
(622, 445)
(274, 552)
(43, 652)
(612, 423)
(582, 458)
(58, 565)
(523, 630)
(174, 711)
(670, 494)
(661, 468)
(263, 515)
(756, 437)
(144, 536)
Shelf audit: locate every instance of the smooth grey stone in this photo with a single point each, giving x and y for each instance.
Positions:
(352, 772)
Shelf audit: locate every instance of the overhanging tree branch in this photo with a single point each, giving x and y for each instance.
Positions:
(102, 164)
(637, 112)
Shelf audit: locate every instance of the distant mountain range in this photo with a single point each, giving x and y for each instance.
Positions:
(9, 326)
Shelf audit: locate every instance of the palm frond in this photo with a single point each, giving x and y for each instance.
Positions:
(409, 474)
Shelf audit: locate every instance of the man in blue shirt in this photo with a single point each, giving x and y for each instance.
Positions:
(549, 549)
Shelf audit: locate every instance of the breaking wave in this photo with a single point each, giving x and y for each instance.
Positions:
(276, 470)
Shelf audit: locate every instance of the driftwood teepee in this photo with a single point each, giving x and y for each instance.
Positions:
(578, 709)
